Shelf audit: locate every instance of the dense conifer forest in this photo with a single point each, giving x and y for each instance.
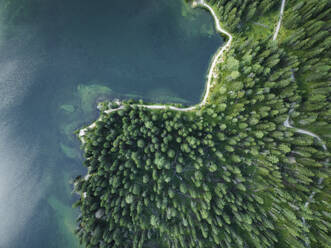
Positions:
(228, 174)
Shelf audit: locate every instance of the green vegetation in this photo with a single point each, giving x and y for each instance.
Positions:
(309, 42)
(237, 14)
(229, 174)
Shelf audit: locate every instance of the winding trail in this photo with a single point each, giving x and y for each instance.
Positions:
(321, 179)
(299, 130)
(287, 122)
(279, 24)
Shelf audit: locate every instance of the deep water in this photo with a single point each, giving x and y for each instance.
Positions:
(57, 59)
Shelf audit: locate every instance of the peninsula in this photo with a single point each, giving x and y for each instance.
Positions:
(246, 167)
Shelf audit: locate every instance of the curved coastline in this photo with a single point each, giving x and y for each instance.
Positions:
(210, 76)
(215, 61)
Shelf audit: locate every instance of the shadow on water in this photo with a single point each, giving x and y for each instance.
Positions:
(57, 59)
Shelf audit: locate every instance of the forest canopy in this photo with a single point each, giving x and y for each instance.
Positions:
(228, 174)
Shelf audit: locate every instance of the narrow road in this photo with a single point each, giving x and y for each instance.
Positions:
(298, 130)
(279, 24)
(320, 180)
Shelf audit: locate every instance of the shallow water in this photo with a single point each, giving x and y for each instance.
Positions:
(57, 59)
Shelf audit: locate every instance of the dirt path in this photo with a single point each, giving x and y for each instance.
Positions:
(279, 24)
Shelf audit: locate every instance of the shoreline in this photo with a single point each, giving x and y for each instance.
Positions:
(210, 76)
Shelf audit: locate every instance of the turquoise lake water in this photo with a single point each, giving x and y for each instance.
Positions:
(57, 60)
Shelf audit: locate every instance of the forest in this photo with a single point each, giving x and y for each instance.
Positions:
(228, 174)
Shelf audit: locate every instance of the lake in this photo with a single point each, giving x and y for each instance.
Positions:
(57, 60)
